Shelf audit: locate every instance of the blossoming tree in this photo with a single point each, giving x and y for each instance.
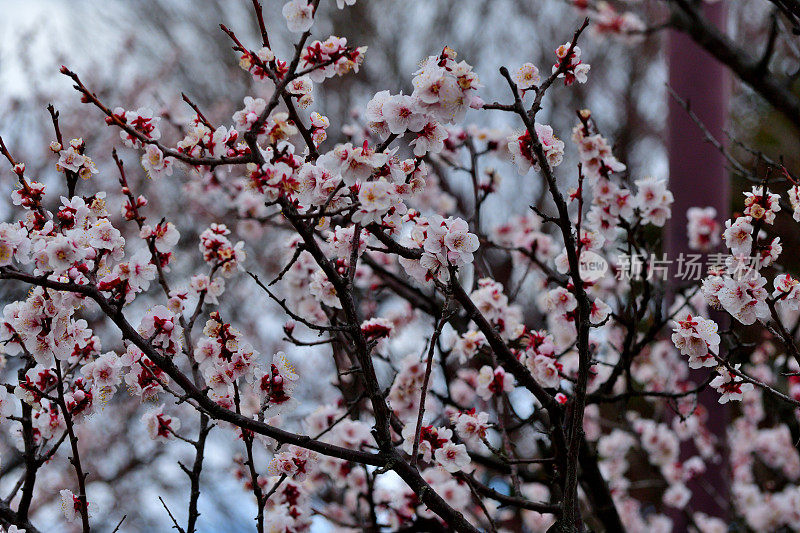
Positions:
(449, 407)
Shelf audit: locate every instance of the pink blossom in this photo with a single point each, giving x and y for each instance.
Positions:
(299, 15)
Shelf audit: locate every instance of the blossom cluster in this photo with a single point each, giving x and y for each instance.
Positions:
(444, 243)
(437, 443)
(73, 158)
(375, 239)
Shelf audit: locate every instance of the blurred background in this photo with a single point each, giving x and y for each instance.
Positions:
(146, 52)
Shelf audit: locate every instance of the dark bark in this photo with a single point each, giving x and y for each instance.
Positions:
(752, 71)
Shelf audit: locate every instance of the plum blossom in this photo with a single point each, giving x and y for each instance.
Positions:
(430, 440)
(653, 200)
(255, 63)
(459, 243)
(527, 76)
(401, 115)
(745, 299)
(374, 114)
(104, 372)
(13, 244)
(7, 404)
(319, 123)
(278, 127)
(659, 441)
(730, 386)
(453, 457)
(165, 236)
(376, 198)
(161, 327)
(574, 68)
(341, 243)
(596, 157)
(738, 235)
(521, 148)
(761, 204)
(794, 200)
(71, 160)
(276, 384)
(444, 88)
(142, 121)
(154, 162)
(103, 235)
(139, 271)
(626, 25)
(703, 229)
(315, 185)
(160, 426)
(212, 288)
(552, 145)
(144, 378)
(430, 139)
(302, 88)
(468, 344)
(599, 311)
(360, 201)
(545, 370)
(376, 328)
(246, 117)
(218, 250)
(471, 426)
(296, 463)
(493, 382)
(72, 506)
(62, 252)
(787, 291)
(697, 337)
(353, 164)
(444, 242)
(323, 290)
(560, 300)
(404, 395)
(299, 15)
(677, 496)
(332, 57)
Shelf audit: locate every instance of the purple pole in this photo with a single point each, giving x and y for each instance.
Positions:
(698, 178)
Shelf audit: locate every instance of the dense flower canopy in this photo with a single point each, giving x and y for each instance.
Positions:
(458, 396)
